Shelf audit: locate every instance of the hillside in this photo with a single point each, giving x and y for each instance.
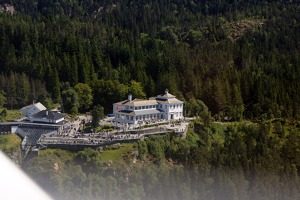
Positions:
(231, 62)
(10, 145)
(239, 57)
(258, 161)
(239, 28)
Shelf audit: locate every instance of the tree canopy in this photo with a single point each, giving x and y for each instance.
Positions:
(238, 57)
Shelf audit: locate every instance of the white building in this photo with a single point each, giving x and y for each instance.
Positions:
(141, 111)
(47, 116)
(32, 109)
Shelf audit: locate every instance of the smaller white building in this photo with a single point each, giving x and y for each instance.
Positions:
(46, 116)
(147, 111)
(32, 109)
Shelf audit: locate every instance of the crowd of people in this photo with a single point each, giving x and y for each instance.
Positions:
(72, 133)
(91, 138)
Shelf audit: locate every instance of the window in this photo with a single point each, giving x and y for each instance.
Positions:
(143, 107)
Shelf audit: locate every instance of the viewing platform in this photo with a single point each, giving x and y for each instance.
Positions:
(94, 140)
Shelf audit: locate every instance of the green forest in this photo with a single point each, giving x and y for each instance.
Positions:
(215, 162)
(239, 57)
(234, 63)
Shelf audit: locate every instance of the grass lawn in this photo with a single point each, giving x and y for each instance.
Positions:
(9, 143)
(118, 154)
(13, 114)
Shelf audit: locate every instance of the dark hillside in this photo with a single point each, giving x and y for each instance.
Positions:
(220, 162)
(229, 61)
(240, 57)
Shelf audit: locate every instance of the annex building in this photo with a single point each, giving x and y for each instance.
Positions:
(32, 109)
(144, 111)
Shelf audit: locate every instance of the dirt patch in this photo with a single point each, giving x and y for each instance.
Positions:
(239, 28)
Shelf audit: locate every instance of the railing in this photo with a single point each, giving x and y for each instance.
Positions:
(91, 141)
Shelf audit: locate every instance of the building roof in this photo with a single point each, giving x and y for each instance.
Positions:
(147, 112)
(140, 112)
(137, 102)
(130, 112)
(169, 101)
(37, 105)
(47, 114)
(165, 98)
(166, 95)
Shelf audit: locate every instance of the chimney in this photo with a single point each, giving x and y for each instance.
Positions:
(130, 97)
(166, 91)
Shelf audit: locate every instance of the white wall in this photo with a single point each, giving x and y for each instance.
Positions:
(14, 129)
(125, 120)
(177, 112)
(28, 112)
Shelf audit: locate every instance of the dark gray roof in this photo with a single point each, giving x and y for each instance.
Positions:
(141, 112)
(147, 112)
(48, 114)
(125, 111)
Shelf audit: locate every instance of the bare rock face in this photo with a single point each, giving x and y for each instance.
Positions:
(7, 8)
(56, 167)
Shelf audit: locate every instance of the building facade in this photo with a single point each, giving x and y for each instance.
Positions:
(147, 111)
(32, 109)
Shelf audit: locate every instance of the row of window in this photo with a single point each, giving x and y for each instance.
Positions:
(143, 117)
(158, 106)
(175, 106)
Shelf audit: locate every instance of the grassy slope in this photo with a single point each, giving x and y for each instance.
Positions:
(9, 143)
(117, 154)
(106, 155)
(12, 114)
